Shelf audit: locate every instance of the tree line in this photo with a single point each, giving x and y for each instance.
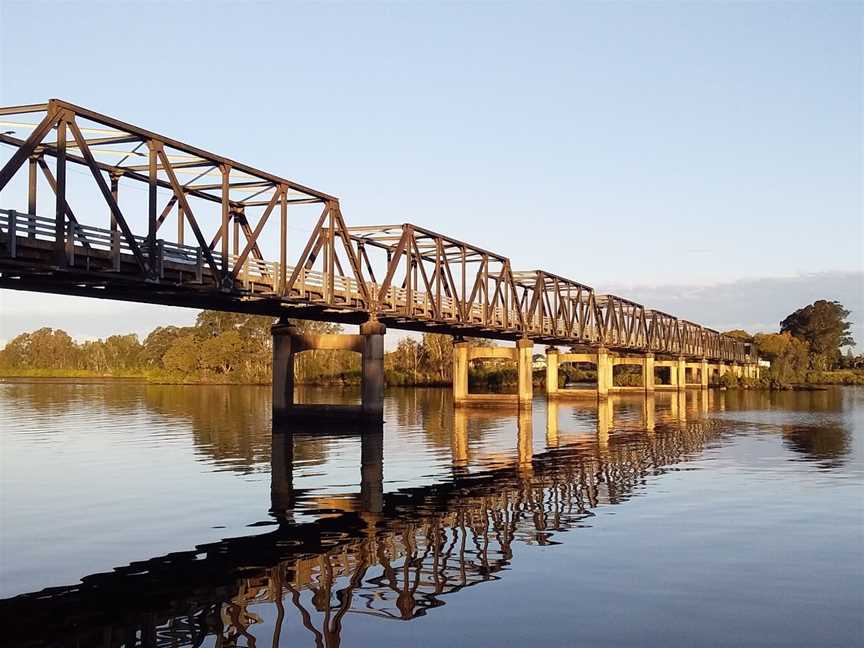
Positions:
(236, 348)
(219, 348)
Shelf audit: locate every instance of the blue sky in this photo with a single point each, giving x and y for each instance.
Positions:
(620, 144)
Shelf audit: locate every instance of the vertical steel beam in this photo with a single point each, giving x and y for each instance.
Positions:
(115, 190)
(283, 239)
(330, 255)
(181, 224)
(31, 197)
(60, 209)
(115, 234)
(153, 148)
(235, 216)
(226, 213)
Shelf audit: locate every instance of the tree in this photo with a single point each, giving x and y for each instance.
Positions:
(739, 334)
(123, 352)
(222, 352)
(438, 355)
(157, 343)
(408, 356)
(789, 356)
(183, 357)
(823, 326)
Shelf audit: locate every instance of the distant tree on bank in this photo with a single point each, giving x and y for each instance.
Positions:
(789, 356)
(739, 334)
(824, 326)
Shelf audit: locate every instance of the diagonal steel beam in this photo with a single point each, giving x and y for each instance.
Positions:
(106, 193)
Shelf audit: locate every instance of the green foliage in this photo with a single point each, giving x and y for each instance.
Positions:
(789, 357)
(739, 334)
(627, 376)
(843, 377)
(492, 376)
(427, 362)
(823, 326)
(182, 357)
(728, 380)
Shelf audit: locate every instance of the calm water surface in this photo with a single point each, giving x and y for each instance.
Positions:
(140, 515)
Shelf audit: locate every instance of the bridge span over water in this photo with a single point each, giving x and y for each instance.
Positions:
(178, 225)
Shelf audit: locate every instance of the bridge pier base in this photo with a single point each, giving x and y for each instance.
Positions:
(288, 342)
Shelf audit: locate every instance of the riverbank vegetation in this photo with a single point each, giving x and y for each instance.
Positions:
(806, 350)
(220, 348)
(235, 348)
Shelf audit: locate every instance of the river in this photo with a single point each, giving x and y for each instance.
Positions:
(147, 515)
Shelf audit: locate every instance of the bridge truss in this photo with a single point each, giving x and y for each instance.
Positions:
(214, 233)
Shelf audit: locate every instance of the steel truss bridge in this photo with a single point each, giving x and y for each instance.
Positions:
(208, 219)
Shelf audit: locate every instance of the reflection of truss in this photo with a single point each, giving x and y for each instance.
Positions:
(429, 544)
(223, 211)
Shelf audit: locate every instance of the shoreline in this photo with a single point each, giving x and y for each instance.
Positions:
(48, 376)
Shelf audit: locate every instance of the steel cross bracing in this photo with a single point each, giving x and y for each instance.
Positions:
(214, 255)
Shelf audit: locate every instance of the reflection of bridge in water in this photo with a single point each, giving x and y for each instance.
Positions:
(394, 555)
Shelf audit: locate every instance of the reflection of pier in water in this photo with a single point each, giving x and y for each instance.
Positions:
(395, 555)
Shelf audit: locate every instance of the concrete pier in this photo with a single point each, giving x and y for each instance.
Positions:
(551, 371)
(463, 354)
(604, 373)
(681, 372)
(648, 372)
(288, 342)
(605, 362)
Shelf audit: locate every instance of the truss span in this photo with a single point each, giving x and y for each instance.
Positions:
(169, 223)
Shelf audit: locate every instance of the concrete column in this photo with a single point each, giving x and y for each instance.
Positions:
(372, 370)
(283, 368)
(524, 349)
(604, 372)
(551, 371)
(372, 470)
(703, 373)
(722, 368)
(648, 372)
(681, 370)
(460, 372)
